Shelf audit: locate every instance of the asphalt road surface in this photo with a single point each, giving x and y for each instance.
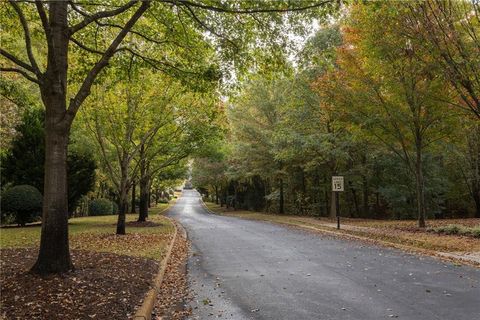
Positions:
(242, 269)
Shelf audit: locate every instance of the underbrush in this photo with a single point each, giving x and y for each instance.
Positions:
(454, 229)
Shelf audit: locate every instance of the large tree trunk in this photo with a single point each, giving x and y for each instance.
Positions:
(54, 255)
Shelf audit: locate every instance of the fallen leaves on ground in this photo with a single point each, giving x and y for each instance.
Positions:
(102, 286)
(174, 292)
(146, 245)
(142, 224)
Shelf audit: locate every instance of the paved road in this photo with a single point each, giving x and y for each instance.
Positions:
(244, 269)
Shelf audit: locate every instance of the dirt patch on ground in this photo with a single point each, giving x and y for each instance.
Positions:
(103, 286)
(139, 224)
(174, 292)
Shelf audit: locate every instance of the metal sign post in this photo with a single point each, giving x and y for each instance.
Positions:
(337, 186)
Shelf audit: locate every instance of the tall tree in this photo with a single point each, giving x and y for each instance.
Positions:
(393, 94)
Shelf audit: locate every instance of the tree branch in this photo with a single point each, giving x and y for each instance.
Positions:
(16, 60)
(99, 15)
(84, 47)
(188, 3)
(28, 41)
(22, 72)
(43, 18)
(154, 63)
(206, 27)
(149, 39)
(84, 90)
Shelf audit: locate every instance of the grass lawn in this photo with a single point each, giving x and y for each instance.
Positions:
(97, 233)
(394, 232)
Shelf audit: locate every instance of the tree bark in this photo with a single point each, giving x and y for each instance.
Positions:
(123, 196)
(216, 194)
(222, 197)
(235, 197)
(365, 191)
(355, 200)
(54, 254)
(281, 200)
(149, 199)
(144, 196)
(133, 197)
(366, 207)
(326, 204)
(419, 183)
(473, 142)
(144, 186)
(476, 198)
(122, 214)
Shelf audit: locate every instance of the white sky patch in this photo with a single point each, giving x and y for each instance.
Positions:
(299, 41)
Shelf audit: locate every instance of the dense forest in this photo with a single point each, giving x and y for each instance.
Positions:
(385, 94)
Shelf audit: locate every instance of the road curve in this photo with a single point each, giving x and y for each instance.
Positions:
(241, 269)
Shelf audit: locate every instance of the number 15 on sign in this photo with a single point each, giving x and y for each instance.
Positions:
(337, 183)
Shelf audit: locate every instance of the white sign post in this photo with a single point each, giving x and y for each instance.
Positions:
(337, 186)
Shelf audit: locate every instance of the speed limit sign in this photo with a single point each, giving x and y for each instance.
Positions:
(337, 183)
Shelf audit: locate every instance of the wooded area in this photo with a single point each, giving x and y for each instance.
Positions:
(387, 96)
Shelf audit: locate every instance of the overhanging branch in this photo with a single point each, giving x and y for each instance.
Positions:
(28, 41)
(84, 90)
(43, 18)
(89, 18)
(84, 47)
(188, 3)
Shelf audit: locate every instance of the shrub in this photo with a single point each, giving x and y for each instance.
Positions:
(23, 163)
(99, 207)
(449, 229)
(114, 207)
(453, 229)
(475, 232)
(23, 203)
